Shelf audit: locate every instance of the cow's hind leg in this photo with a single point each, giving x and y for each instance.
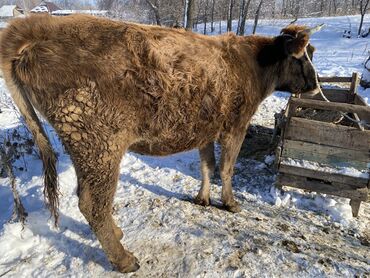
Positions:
(230, 147)
(207, 165)
(97, 178)
(117, 231)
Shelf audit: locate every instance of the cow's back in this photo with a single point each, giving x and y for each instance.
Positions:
(172, 87)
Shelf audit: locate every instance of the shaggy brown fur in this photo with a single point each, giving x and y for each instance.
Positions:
(108, 87)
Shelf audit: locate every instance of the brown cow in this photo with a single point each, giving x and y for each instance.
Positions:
(108, 87)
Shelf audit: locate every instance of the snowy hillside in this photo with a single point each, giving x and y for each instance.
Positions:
(292, 234)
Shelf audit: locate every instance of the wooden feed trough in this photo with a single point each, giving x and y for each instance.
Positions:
(343, 144)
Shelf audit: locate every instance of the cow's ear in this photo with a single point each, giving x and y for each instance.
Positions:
(275, 51)
(296, 46)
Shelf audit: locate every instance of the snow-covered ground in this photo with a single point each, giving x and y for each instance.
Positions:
(276, 234)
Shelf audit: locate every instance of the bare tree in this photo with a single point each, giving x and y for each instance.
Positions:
(189, 14)
(105, 4)
(286, 7)
(154, 6)
(213, 15)
(243, 16)
(257, 16)
(241, 7)
(364, 6)
(230, 14)
(200, 2)
(205, 17)
(192, 12)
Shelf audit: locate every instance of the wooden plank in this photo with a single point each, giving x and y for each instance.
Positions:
(355, 82)
(355, 206)
(329, 177)
(342, 96)
(343, 107)
(331, 161)
(334, 188)
(358, 100)
(329, 134)
(335, 79)
(346, 154)
(336, 96)
(336, 90)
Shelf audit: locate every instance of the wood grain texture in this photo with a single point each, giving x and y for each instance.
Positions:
(329, 177)
(329, 134)
(316, 185)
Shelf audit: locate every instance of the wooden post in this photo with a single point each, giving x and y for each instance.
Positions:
(355, 205)
(354, 84)
(353, 91)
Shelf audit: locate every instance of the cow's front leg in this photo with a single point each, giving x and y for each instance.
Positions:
(230, 147)
(207, 167)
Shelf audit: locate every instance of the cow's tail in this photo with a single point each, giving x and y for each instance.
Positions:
(15, 65)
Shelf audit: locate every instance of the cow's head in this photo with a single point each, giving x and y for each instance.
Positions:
(290, 55)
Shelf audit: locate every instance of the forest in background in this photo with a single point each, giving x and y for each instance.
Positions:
(188, 13)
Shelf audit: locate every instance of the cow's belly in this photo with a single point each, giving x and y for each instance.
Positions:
(164, 144)
(156, 149)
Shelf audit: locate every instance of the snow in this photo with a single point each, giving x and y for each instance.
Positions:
(347, 171)
(269, 159)
(90, 12)
(7, 10)
(291, 233)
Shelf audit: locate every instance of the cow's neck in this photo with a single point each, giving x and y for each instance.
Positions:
(268, 81)
(267, 76)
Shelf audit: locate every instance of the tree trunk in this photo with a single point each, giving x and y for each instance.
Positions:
(189, 17)
(335, 7)
(363, 8)
(273, 9)
(230, 15)
(283, 12)
(241, 12)
(157, 17)
(244, 19)
(257, 16)
(219, 27)
(361, 22)
(103, 4)
(212, 16)
(322, 8)
(185, 19)
(198, 13)
(155, 8)
(205, 18)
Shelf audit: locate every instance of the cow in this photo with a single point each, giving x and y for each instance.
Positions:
(108, 87)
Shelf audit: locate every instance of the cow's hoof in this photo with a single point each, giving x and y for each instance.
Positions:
(233, 207)
(202, 201)
(129, 264)
(118, 232)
